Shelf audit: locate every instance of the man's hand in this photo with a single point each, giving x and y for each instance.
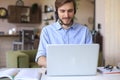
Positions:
(42, 61)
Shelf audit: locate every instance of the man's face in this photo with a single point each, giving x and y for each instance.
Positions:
(66, 13)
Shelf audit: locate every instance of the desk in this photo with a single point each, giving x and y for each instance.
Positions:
(97, 77)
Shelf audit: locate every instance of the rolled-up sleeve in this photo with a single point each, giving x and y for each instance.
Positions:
(42, 45)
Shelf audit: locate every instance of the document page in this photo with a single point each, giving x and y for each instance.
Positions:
(9, 73)
(29, 74)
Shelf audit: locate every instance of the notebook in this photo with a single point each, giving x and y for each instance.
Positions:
(72, 59)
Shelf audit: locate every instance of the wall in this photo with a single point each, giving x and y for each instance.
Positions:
(100, 19)
(85, 10)
(5, 26)
(6, 42)
(108, 16)
(5, 45)
(112, 33)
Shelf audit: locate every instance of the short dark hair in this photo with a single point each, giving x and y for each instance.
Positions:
(59, 3)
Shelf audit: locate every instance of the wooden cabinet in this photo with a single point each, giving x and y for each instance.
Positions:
(23, 14)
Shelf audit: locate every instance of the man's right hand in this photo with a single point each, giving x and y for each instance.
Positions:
(42, 61)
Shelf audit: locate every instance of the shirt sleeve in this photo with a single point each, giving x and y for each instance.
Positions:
(89, 39)
(42, 44)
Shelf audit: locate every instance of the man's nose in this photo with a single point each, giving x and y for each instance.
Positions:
(66, 14)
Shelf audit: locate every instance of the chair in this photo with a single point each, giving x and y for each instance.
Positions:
(21, 59)
(26, 41)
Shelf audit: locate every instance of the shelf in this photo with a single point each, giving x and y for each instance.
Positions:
(9, 35)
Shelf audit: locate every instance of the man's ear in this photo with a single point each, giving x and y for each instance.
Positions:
(56, 15)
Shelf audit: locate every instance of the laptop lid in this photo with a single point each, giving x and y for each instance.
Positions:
(72, 59)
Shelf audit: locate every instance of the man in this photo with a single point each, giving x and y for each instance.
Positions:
(64, 31)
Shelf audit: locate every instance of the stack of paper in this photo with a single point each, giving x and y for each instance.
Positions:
(107, 71)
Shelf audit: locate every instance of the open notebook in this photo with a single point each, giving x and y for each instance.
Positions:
(72, 59)
(21, 74)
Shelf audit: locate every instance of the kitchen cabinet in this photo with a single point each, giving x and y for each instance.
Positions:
(23, 14)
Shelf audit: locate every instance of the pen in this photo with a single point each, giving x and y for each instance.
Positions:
(117, 67)
(45, 72)
(111, 68)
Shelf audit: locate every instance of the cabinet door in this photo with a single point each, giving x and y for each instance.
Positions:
(23, 14)
(16, 12)
(35, 17)
(12, 14)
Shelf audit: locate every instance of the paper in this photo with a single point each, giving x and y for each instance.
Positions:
(9, 73)
(28, 74)
(107, 71)
(21, 74)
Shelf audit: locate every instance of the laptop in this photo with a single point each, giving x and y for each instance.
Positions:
(72, 59)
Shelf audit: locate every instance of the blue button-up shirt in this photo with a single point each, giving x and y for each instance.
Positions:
(55, 34)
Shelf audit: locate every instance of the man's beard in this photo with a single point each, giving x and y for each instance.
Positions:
(62, 23)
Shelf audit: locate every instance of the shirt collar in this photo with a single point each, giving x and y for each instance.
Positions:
(58, 26)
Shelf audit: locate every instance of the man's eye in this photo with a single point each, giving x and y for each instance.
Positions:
(62, 11)
(71, 10)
